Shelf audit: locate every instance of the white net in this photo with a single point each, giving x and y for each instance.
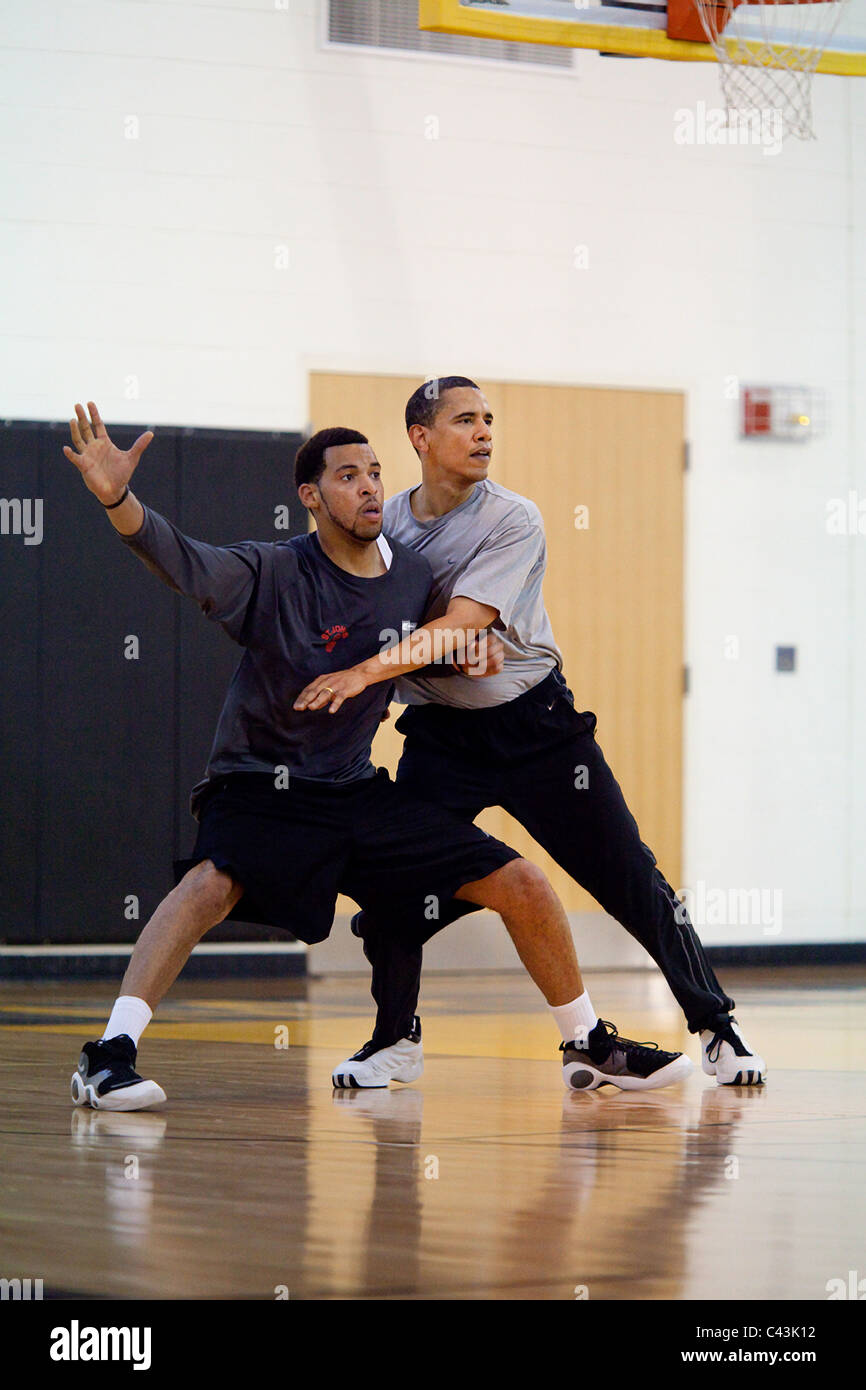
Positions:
(768, 54)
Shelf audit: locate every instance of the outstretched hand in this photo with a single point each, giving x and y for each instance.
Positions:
(106, 470)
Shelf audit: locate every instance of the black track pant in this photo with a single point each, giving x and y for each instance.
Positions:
(537, 757)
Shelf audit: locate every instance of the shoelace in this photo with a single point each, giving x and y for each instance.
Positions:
(616, 1041)
(724, 1035)
(627, 1044)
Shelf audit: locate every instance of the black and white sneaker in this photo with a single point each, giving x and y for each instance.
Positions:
(106, 1077)
(602, 1058)
(726, 1055)
(373, 1067)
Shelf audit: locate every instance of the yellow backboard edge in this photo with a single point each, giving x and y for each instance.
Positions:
(450, 17)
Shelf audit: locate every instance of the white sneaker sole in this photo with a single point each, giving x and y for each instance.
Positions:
(582, 1076)
(137, 1097)
(352, 1077)
(748, 1071)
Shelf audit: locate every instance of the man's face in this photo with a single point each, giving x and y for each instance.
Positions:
(460, 440)
(351, 491)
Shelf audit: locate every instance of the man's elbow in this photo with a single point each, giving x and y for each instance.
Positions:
(471, 616)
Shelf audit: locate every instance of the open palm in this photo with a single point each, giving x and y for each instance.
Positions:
(105, 469)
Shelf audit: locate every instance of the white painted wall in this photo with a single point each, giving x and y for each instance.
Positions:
(143, 271)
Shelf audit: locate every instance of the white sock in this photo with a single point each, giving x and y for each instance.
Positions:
(129, 1015)
(578, 1014)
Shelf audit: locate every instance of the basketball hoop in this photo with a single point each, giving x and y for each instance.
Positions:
(768, 53)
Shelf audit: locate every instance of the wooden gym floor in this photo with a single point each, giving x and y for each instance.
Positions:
(484, 1180)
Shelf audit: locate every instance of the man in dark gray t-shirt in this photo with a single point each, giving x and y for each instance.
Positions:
(291, 810)
(296, 614)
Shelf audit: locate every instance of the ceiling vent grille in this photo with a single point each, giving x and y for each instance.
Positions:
(393, 25)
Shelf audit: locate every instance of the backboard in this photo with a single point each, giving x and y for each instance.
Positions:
(638, 29)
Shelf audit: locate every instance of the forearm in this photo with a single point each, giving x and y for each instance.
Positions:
(441, 639)
(461, 634)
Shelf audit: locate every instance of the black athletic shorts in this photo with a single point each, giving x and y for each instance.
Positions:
(295, 849)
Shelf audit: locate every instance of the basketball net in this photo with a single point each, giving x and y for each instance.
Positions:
(770, 67)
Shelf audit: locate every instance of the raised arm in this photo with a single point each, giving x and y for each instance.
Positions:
(221, 579)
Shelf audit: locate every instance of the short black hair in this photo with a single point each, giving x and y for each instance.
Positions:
(423, 404)
(310, 458)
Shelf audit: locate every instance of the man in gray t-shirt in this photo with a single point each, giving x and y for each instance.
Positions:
(515, 740)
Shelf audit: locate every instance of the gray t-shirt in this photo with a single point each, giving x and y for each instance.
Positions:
(491, 549)
(298, 616)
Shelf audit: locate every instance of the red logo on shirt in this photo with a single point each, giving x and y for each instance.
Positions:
(332, 635)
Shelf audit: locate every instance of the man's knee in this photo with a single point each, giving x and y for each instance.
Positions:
(524, 877)
(213, 891)
(518, 879)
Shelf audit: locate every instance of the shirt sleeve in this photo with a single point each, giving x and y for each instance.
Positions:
(221, 578)
(497, 575)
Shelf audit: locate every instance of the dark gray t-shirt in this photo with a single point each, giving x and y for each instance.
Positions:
(298, 615)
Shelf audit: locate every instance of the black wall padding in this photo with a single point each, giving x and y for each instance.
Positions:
(97, 752)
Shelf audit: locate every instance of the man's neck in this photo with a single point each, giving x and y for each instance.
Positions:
(438, 496)
(362, 558)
